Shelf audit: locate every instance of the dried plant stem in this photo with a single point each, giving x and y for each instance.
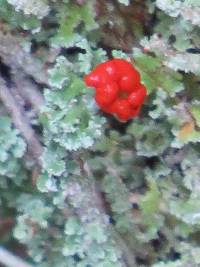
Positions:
(20, 120)
(10, 260)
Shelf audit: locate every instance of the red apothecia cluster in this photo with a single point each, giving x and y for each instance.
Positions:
(118, 88)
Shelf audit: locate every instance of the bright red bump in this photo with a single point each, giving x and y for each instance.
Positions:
(106, 94)
(118, 88)
(136, 98)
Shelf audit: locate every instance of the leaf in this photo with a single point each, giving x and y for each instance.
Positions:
(72, 226)
(154, 76)
(186, 130)
(69, 21)
(195, 110)
(96, 232)
(187, 211)
(52, 162)
(46, 183)
(149, 203)
(58, 75)
(39, 8)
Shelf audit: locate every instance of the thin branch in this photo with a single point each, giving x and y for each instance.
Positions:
(128, 259)
(10, 260)
(20, 120)
(28, 91)
(13, 54)
(127, 253)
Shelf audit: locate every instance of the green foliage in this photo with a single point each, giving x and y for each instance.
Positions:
(165, 78)
(12, 149)
(38, 8)
(106, 193)
(68, 112)
(187, 9)
(18, 19)
(70, 16)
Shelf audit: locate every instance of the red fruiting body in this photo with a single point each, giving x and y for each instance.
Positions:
(123, 66)
(135, 112)
(107, 109)
(108, 68)
(97, 78)
(137, 98)
(122, 109)
(118, 88)
(92, 79)
(129, 82)
(106, 94)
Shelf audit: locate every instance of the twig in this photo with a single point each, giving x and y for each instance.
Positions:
(21, 121)
(13, 54)
(28, 91)
(10, 260)
(128, 259)
(127, 254)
